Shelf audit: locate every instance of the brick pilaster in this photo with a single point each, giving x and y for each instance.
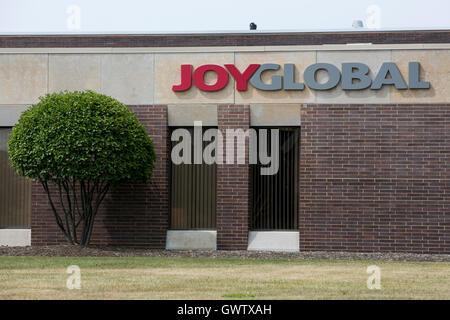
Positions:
(233, 185)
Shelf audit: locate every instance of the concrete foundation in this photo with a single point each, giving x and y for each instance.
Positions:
(15, 237)
(273, 241)
(191, 240)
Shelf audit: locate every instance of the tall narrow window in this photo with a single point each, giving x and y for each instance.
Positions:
(193, 193)
(275, 197)
(15, 191)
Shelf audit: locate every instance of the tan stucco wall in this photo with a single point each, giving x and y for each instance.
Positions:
(435, 67)
(146, 76)
(23, 78)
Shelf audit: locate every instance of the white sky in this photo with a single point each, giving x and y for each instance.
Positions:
(96, 16)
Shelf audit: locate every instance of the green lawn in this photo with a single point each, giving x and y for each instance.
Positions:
(199, 278)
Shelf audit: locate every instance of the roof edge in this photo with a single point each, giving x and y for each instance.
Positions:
(224, 39)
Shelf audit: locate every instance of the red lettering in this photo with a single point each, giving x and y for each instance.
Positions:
(199, 77)
(186, 78)
(242, 78)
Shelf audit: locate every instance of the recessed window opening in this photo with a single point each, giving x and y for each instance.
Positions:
(274, 198)
(15, 191)
(192, 192)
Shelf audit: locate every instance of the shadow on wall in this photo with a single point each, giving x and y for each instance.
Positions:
(129, 216)
(132, 216)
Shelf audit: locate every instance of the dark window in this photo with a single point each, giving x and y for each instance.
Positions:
(275, 197)
(15, 191)
(193, 193)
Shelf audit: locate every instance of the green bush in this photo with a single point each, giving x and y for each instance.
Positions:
(83, 143)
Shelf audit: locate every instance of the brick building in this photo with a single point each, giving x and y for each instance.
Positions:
(367, 168)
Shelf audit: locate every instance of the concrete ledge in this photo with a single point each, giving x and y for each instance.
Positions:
(15, 237)
(191, 240)
(273, 241)
(9, 114)
(275, 115)
(185, 115)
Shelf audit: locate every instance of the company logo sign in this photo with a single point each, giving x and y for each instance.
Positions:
(354, 76)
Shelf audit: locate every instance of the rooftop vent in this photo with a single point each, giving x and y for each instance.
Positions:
(358, 24)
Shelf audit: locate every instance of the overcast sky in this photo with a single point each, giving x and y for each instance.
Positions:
(96, 16)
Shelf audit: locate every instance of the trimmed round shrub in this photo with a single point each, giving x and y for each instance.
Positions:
(81, 140)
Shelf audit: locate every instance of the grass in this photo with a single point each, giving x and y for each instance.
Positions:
(200, 278)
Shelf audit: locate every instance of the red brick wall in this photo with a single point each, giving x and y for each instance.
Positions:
(375, 178)
(233, 185)
(372, 178)
(133, 215)
(44, 230)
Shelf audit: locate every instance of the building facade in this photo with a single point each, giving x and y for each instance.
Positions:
(364, 130)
